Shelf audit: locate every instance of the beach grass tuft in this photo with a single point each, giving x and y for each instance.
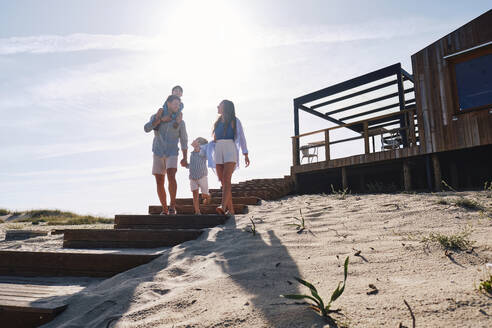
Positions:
(341, 193)
(458, 241)
(469, 204)
(4, 211)
(300, 226)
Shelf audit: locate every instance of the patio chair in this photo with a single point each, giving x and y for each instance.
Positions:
(310, 156)
(393, 141)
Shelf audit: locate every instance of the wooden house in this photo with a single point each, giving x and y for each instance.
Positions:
(434, 125)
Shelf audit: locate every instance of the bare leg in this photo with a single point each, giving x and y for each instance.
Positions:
(172, 186)
(220, 173)
(206, 199)
(161, 192)
(227, 189)
(196, 201)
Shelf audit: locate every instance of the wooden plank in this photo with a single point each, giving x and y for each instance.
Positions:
(344, 178)
(104, 238)
(366, 138)
(251, 200)
(437, 172)
(204, 209)
(407, 177)
(168, 221)
(24, 234)
(55, 264)
(327, 145)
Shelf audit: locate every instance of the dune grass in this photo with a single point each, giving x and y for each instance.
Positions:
(457, 242)
(57, 217)
(4, 211)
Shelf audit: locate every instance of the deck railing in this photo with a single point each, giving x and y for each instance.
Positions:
(409, 128)
(371, 89)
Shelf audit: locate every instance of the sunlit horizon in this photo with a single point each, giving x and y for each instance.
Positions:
(79, 82)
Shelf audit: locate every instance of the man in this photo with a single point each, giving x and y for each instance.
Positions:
(165, 149)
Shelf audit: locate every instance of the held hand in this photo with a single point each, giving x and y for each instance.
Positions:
(246, 159)
(159, 113)
(184, 162)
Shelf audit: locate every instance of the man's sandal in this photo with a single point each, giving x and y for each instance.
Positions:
(220, 211)
(172, 211)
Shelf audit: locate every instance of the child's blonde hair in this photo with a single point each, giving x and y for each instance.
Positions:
(201, 141)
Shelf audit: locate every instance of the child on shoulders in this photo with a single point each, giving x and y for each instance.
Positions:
(178, 116)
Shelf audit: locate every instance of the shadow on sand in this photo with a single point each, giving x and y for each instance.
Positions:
(260, 265)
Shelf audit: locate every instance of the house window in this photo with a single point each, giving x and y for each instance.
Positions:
(473, 79)
(474, 82)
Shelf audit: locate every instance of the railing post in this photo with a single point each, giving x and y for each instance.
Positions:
(413, 138)
(366, 137)
(295, 151)
(401, 100)
(295, 141)
(327, 145)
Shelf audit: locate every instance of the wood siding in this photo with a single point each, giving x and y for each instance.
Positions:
(441, 128)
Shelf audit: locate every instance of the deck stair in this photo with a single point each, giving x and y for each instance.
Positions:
(27, 305)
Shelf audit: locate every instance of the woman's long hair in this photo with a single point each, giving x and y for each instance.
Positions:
(229, 115)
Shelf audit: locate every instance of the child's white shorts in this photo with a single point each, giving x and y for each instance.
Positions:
(225, 151)
(201, 183)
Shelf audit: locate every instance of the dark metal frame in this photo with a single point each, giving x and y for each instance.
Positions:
(402, 104)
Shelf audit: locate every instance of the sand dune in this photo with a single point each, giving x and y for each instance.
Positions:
(231, 278)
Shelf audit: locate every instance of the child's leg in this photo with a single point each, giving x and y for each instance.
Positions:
(206, 198)
(196, 202)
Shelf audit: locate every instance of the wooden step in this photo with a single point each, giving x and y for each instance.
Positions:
(204, 209)
(55, 264)
(236, 200)
(32, 302)
(180, 221)
(122, 238)
(24, 234)
(259, 194)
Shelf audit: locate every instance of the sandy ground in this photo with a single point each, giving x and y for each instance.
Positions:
(232, 278)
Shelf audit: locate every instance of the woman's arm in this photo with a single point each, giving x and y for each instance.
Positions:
(241, 138)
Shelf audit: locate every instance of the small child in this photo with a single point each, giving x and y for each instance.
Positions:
(178, 116)
(198, 172)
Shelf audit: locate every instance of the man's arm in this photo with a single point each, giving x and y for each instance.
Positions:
(183, 139)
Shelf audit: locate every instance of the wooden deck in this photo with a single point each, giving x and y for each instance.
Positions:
(363, 159)
(68, 264)
(31, 302)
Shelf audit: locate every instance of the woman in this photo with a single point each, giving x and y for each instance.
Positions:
(229, 137)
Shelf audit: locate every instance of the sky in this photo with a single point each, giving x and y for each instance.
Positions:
(79, 79)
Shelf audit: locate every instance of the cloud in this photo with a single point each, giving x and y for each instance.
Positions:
(253, 37)
(75, 42)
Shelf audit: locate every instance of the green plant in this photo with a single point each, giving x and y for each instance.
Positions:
(486, 285)
(487, 186)
(318, 305)
(4, 211)
(301, 225)
(447, 186)
(458, 241)
(252, 227)
(341, 193)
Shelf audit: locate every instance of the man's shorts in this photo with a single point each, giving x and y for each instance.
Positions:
(161, 164)
(202, 183)
(225, 151)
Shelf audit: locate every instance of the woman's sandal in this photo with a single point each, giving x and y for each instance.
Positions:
(164, 212)
(220, 211)
(172, 211)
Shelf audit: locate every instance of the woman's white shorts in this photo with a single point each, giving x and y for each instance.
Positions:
(225, 151)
